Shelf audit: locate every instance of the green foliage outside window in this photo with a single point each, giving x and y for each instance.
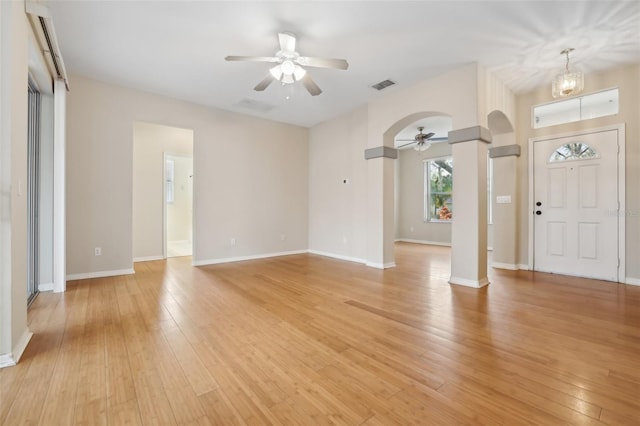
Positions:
(439, 187)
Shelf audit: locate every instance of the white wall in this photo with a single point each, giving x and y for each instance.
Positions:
(253, 189)
(150, 142)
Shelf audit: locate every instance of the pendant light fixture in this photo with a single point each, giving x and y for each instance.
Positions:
(567, 83)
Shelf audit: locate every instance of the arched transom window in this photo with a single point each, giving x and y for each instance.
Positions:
(573, 151)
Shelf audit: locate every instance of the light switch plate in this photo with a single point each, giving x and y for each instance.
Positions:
(503, 199)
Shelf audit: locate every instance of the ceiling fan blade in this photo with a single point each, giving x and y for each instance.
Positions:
(438, 139)
(287, 42)
(264, 83)
(406, 144)
(311, 85)
(339, 64)
(429, 135)
(252, 58)
(405, 140)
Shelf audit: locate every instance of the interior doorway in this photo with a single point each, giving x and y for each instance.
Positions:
(153, 145)
(576, 197)
(178, 205)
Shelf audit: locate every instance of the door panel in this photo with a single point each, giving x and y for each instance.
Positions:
(576, 191)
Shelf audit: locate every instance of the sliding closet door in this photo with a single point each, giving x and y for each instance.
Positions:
(33, 192)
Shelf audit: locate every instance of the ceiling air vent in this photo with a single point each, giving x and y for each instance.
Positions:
(383, 84)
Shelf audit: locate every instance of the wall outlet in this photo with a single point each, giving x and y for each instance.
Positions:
(411, 229)
(283, 237)
(503, 199)
(344, 240)
(233, 241)
(97, 251)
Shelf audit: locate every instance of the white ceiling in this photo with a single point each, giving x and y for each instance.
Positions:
(177, 48)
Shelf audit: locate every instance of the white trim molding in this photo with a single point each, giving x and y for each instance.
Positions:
(100, 274)
(243, 258)
(338, 256)
(632, 281)
(500, 265)
(9, 360)
(147, 258)
(429, 243)
(468, 283)
(381, 265)
(45, 287)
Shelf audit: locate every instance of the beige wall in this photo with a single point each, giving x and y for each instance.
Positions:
(338, 211)
(254, 189)
(627, 79)
(150, 143)
(411, 197)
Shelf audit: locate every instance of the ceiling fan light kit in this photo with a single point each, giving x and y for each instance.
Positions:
(289, 68)
(567, 83)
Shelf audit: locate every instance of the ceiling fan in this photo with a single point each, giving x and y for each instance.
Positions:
(289, 68)
(422, 140)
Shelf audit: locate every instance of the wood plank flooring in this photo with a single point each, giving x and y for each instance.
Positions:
(307, 340)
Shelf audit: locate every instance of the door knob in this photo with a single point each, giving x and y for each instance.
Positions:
(538, 212)
(538, 203)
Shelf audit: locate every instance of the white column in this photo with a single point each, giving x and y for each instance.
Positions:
(380, 202)
(59, 187)
(469, 226)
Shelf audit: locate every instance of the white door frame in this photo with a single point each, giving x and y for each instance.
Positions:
(622, 277)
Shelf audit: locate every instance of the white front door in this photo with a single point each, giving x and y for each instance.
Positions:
(576, 205)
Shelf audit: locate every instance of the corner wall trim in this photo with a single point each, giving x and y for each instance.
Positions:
(380, 151)
(509, 266)
(147, 258)
(9, 360)
(243, 258)
(425, 242)
(45, 287)
(505, 151)
(632, 281)
(338, 256)
(381, 265)
(469, 283)
(475, 133)
(100, 274)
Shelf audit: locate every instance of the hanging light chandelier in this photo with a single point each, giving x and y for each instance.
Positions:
(567, 83)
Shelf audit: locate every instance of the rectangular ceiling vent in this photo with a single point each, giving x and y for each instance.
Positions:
(383, 84)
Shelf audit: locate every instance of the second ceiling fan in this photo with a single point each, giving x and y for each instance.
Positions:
(290, 65)
(421, 140)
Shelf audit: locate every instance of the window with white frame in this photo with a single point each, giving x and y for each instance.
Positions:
(438, 187)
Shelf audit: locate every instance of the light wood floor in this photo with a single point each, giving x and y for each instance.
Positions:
(309, 340)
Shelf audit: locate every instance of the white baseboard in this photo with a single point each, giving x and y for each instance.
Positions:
(45, 287)
(338, 256)
(9, 360)
(100, 274)
(430, 243)
(147, 258)
(469, 283)
(632, 281)
(381, 265)
(243, 258)
(523, 267)
(509, 266)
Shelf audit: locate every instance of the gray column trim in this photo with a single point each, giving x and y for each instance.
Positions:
(380, 151)
(504, 151)
(475, 133)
